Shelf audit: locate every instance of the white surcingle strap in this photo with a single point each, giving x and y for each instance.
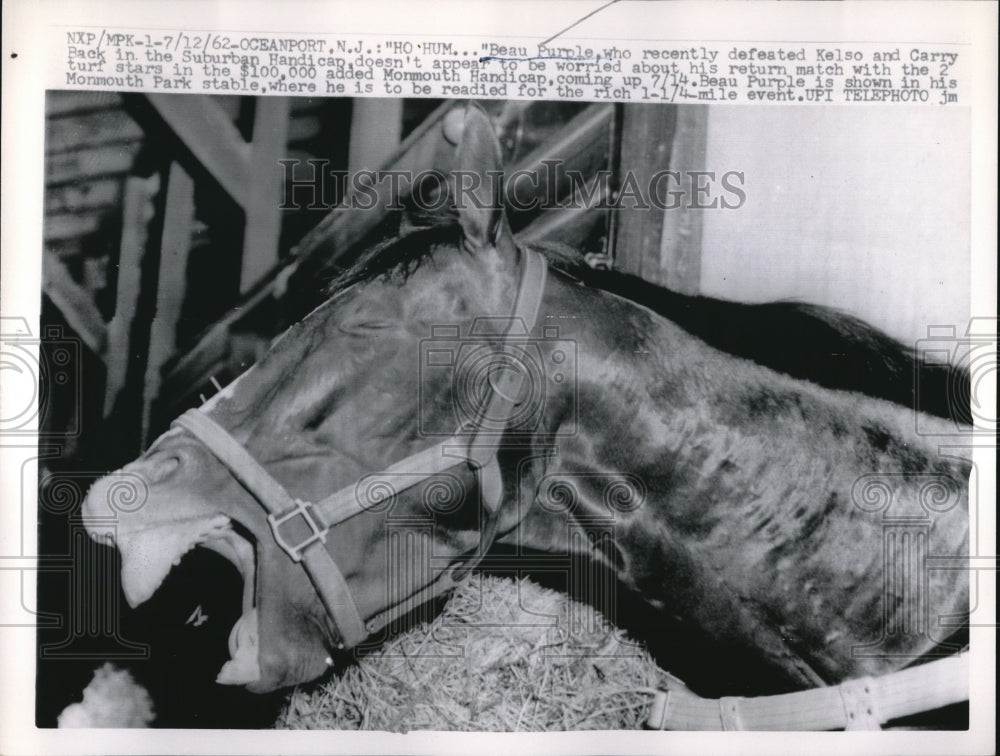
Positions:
(862, 704)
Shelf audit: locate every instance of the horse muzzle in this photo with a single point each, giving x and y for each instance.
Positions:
(121, 510)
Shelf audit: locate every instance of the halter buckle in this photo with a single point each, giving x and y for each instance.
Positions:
(301, 509)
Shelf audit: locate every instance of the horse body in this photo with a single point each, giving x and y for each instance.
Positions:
(740, 500)
(752, 522)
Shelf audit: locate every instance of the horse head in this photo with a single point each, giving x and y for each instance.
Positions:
(354, 388)
(446, 397)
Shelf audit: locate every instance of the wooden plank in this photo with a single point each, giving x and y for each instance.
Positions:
(63, 226)
(304, 127)
(339, 231)
(344, 228)
(569, 225)
(418, 151)
(581, 145)
(102, 194)
(229, 358)
(175, 245)
(680, 245)
(138, 195)
(90, 163)
(376, 128)
(90, 130)
(647, 136)
(66, 249)
(184, 380)
(65, 102)
(74, 302)
(301, 105)
(215, 142)
(228, 104)
(263, 196)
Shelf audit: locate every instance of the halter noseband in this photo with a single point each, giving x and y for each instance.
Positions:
(475, 444)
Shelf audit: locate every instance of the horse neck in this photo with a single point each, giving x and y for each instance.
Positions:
(581, 481)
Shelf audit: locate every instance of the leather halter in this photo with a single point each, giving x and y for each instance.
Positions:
(476, 444)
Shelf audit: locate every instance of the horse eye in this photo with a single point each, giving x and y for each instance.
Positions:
(317, 414)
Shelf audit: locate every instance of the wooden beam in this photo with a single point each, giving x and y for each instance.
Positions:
(680, 245)
(376, 128)
(341, 231)
(101, 195)
(647, 136)
(262, 231)
(112, 126)
(63, 226)
(89, 163)
(581, 145)
(569, 225)
(138, 195)
(60, 103)
(303, 127)
(205, 129)
(74, 302)
(183, 380)
(178, 218)
(337, 231)
(343, 228)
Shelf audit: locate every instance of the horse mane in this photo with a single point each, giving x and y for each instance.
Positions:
(810, 342)
(398, 256)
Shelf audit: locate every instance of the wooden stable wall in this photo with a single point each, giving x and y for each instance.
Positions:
(663, 246)
(581, 136)
(168, 253)
(144, 192)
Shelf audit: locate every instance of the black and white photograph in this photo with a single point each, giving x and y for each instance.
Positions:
(515, 410)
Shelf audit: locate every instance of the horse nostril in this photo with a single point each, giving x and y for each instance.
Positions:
(162, 465)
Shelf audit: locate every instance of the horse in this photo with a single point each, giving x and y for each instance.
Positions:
(460, 392)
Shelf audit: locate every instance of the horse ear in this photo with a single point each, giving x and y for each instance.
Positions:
(479, 182)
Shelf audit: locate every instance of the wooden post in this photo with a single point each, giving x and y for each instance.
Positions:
(136, 213)
(662, 246)
(178, 217)
(206, 130)
(263, 195)
(680, 246)
(376, 128)
(74, 302)
(646, 141)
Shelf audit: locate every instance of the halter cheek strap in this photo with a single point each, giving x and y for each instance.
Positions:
(476, 445)
(326, 578)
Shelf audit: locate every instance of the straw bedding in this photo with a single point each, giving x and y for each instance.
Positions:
(504, 655)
